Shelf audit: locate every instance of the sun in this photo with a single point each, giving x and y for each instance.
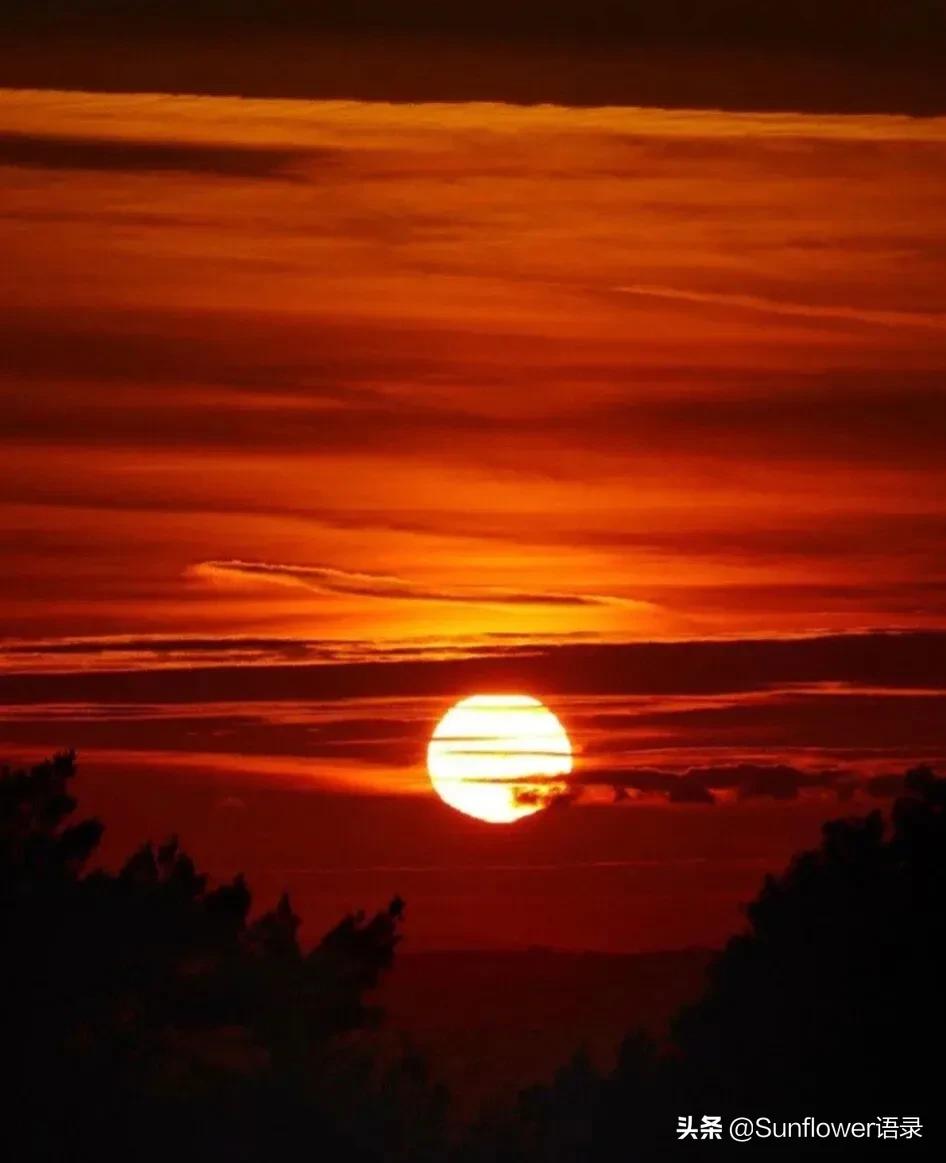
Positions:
(499, 757)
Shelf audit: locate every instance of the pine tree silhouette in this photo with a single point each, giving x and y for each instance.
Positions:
(831, 1004)
(144, 1014)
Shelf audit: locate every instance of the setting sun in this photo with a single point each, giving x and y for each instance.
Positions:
(499, 757)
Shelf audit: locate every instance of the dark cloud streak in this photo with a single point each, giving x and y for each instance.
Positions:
(701, 785)
(49, 152)
(824, 424)
(896, 660)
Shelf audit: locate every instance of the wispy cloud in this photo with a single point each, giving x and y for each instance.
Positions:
(326, 579)
(748, 436)
(864, 315)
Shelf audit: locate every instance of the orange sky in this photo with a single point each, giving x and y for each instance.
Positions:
(289, 382)
(685, 362)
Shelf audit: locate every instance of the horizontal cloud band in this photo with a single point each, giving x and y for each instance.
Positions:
(331, 580)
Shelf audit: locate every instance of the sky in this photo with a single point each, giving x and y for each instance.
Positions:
(319, 415)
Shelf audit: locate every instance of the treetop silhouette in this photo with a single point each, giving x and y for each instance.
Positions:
(148, 999)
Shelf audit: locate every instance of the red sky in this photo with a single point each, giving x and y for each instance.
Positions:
(453, 397)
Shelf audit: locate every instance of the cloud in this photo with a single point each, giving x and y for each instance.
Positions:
(544, 797)
(331, 580)
(698, 785)
(686, 790)
(132, 651)
(870, 318)
(837, 25)
(886, 785)
(124, 653)
(459, 71)
(50, 152)
(159, 644)
(124, 378)
(751, 780)
(897, 662)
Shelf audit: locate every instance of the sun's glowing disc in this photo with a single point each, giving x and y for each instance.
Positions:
(499, 757)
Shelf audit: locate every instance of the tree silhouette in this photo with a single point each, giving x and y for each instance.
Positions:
(831, 1004)
(835, 996)
(144, 1012)
(145, 1015)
